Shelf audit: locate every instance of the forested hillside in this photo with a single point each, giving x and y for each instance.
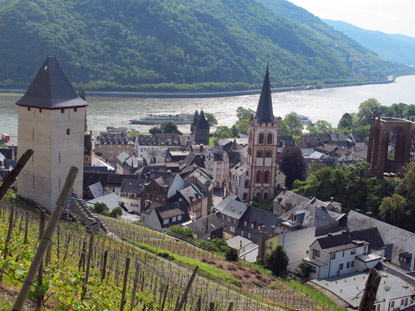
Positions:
(168, 44)
(395, 48)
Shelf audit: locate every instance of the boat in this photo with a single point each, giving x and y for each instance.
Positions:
(182, 118)
(304, 120)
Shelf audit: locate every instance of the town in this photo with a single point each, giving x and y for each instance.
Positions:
(168, 180)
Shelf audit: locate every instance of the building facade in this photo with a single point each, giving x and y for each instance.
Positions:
(51, 122)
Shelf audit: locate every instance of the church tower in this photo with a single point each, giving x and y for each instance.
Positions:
(51, 122)
(201, 130)
(263, 146)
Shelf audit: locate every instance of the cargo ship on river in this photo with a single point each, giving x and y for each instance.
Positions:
(182, 118)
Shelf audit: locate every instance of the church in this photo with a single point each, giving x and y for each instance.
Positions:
(257, 175)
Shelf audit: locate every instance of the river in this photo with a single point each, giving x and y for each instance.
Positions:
(319, 104)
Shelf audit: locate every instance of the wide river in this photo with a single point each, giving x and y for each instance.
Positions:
(322, 104)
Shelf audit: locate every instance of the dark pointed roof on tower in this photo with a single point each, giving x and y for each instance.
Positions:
(264, 110)
(51, 89)
(202, 122)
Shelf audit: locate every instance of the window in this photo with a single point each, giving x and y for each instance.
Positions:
(259, 153)
(348, 265)
(165, 221)
(28, 108)
(268, 153)
(261, 138)
(269, 139)
(343, 253)
(245, 196)
(174, 219)
(341, 266)
(316, 253)
(62, 110)
(353, 251)
(179, 217)
(246, 183)
(75, 109)
(265, 196)
(333, 256)
(40, 110)
(68, 131)
(258, 178)
(266, 177)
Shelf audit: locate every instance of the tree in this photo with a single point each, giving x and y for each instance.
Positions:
(101, 208)
(116, 212)
(231, 254)
(293, 164)
(392, 209)
(134, 133)
(155, 130)
(294, 124)
(277, 261)
(242, 126)
(169, 127)
(320, 127)
(211, 119)
(184, 232)
(81, 91)
(284, 130)
(243, 113)
(367, 110)
(346, 122)
(222, 132)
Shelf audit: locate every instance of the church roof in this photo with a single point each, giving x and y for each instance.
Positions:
(51, 89)
(202, 122)
(264, 110)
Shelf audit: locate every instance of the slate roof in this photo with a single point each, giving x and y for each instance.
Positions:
(397, 240)
(130, 185)
(111, 200)
(97, 190)
(259, 217)
(308, 141)
(51, 89)
(192, 159)
(169, 211)
(192, 193)
(105, 178)
(199, 226)
(113, 138)
(164, 179)
(370, 235)
(232, 207)
(264, 111)
(239, 169)
(336, 242)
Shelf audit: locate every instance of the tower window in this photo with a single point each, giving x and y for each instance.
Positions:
(266, 177)
(259, 153)
(269, 139)
(258, 177)
(28, 108)
(40, 110)
(75, 109)
(62, 110)
(68, 131)
(261, 138)
(268, 153)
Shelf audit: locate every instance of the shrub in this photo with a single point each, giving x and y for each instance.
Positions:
(231, 254)
(116, 212)
(278, 260)
(185, 232)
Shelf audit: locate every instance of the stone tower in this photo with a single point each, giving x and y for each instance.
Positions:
(201, 130)
(51, 122)
(263, 146)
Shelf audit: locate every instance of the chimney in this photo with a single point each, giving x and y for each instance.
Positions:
(207, 222)
(201, 147)
(273, 231)
(261, 247)
(283, 190)
(331, 199)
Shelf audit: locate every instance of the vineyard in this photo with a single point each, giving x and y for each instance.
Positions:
(132, 268)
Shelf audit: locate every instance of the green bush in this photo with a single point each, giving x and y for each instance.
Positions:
(185, 232)
(231, 254)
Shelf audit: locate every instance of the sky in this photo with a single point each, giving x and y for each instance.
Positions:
(389, 16)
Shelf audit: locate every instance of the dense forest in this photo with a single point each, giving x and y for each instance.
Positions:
(175, 44)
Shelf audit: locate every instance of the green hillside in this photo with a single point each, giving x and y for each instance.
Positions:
(168, 44)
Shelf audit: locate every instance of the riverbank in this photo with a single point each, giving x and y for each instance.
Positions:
(209, 94)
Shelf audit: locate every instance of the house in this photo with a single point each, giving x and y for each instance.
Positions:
(309, 141)
(159, 188)
(194, 197)
(200, 177)
(111, 143)
(400, 244)
(127, 163)
(110, 182)
(243, 245)
(207, 228)
(230, 211)
(162, 217)
(130, 194)
(340, 254)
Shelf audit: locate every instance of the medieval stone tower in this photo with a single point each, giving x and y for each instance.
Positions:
(201, 130)
(263, 146)
(51, 122)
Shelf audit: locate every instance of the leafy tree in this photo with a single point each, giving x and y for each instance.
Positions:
(284, 130)
(367, 110)
(81, 91)
(304, 269)
(242, 126)
(169, 127)
(134, 133)
(363, 131)
(101, 208)
(294, 124)
(222, 132)
(320, 127)
(346, 122)
(155, 130)
(277, 261)
(293, 165)
(116, 212)
(392, 209)
(211, 119)
(231, 254)
(243, 113)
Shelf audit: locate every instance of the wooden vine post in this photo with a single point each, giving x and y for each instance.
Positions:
(186, 291)
(47, 237)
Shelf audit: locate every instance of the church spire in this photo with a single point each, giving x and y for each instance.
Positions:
(264, 110)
